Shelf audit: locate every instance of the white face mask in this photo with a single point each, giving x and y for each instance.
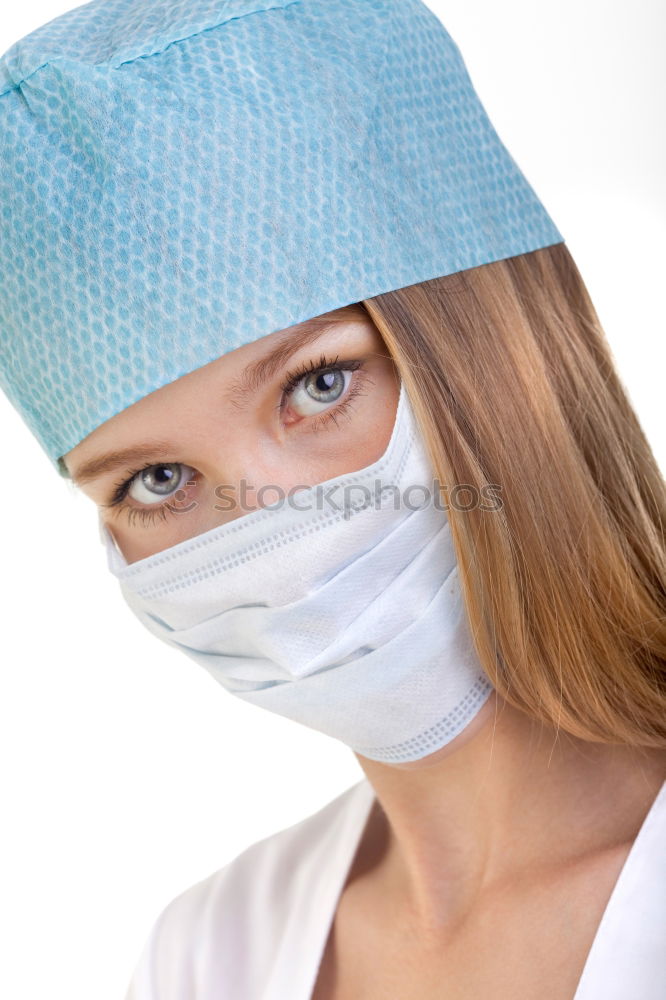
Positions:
(339, 607)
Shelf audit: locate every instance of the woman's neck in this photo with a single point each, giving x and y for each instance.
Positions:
(508, 796)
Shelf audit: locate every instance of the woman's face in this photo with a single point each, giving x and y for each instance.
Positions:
(224, 439)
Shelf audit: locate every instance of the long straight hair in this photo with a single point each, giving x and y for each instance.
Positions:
(513, 384)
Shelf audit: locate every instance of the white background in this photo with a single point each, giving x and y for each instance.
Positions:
(127, 774)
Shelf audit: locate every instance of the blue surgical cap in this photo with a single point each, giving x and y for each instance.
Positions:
(182, 178)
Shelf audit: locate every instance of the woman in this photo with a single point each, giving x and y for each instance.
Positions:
(382, 308)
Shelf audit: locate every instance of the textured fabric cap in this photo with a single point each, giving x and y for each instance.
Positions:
(182, 178)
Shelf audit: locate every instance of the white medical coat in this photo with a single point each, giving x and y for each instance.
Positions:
(256, 929)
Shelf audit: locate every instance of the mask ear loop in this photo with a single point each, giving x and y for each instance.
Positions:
(115, 557)
(102, 529)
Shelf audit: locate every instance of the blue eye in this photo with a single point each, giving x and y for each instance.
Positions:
(316, 391)
(316, 385)
(157, 482)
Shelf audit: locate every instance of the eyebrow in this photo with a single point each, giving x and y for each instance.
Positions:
(254, 375)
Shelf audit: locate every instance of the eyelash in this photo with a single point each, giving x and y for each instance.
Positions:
(287, 387)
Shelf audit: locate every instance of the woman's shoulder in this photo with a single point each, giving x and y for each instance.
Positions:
(266, 868)
(226, 927)
(628, 954)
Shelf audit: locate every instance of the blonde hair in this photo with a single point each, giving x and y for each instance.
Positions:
(513, 383)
